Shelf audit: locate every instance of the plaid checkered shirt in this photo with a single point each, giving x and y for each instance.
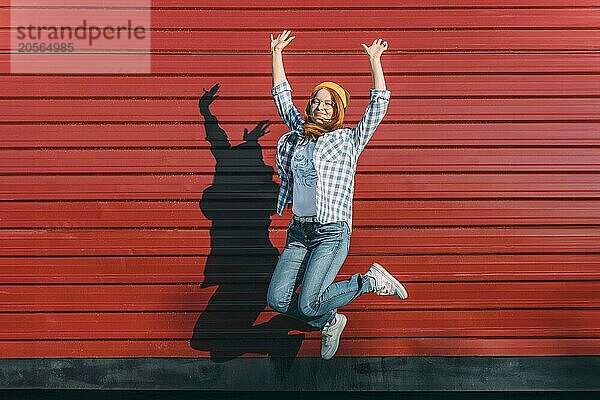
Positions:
(335, 156)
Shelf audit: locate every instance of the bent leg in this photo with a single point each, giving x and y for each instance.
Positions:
(319, 296)
(290, 269)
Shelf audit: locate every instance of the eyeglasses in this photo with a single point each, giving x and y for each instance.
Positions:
(327, 103)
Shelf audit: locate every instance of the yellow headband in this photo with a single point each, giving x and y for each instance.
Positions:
(343, 93)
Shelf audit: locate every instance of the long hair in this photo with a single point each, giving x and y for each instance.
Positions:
(314, 129)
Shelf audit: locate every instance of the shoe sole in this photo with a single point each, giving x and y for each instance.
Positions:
(398, 288)
(343, 321)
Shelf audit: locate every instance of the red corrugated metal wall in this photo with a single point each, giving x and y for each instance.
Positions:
(480, 190)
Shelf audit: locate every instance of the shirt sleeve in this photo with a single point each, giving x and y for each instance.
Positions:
(282, 95)
(374, 113)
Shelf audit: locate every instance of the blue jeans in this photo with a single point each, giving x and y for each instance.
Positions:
(312, 256)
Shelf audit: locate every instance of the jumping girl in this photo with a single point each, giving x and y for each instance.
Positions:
(316, 162)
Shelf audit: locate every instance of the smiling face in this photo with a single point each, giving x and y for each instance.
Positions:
(321, 106)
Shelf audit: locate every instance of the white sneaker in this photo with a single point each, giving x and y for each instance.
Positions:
(385, 283)
(331, 335)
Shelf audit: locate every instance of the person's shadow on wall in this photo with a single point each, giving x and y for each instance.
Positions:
(242, 259)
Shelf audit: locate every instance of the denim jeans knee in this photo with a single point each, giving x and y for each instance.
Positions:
(276, 299)
(305, 308)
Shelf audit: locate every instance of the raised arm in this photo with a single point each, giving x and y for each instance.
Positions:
(282, 92)
(277, 46)
(379, 95)
(374, 51)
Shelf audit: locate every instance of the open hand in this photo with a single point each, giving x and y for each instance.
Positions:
(375, 50)
(281, 41)
(208, 97)
(259, 131)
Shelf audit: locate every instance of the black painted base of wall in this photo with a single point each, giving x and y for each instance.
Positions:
(79, 394)
(307, 374)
